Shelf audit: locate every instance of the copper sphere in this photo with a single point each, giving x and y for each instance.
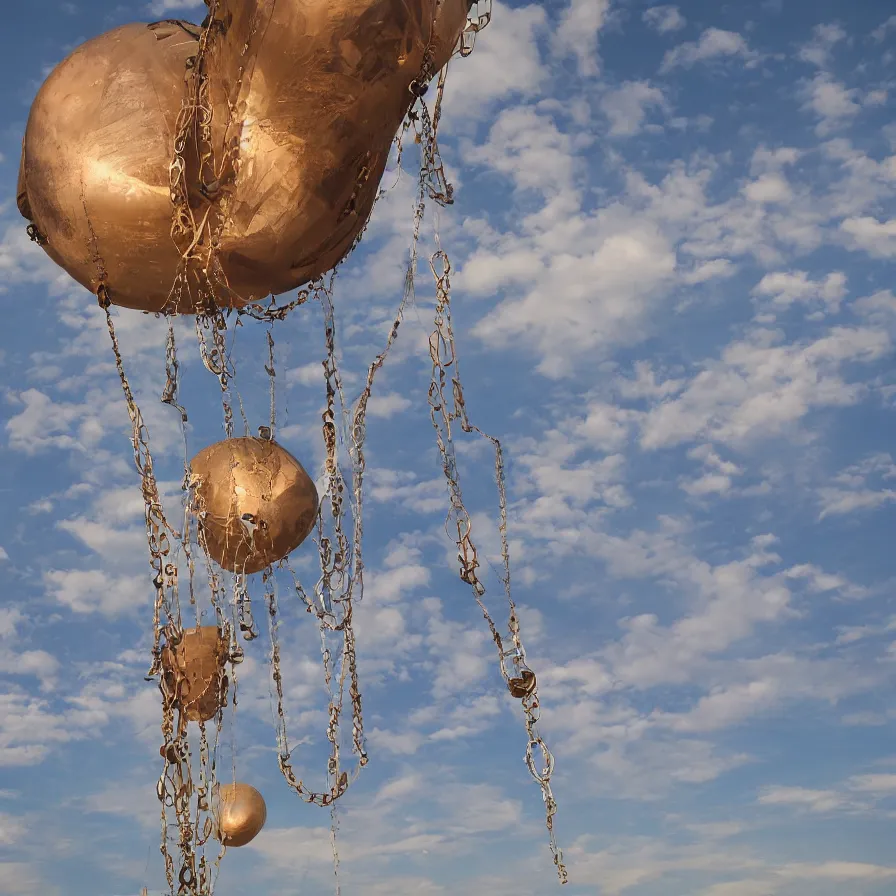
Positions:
(194, 670)
(312, 93)
(241, 814)
(254, 500)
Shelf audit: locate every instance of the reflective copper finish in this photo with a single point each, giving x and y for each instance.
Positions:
(254, 500)
(317, 89)
(194, 668)
(241, 814)
(99, 138)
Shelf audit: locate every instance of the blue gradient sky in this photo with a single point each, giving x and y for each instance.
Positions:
(674, 239)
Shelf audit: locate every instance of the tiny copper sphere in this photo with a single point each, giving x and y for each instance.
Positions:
(194, 670)
(241, 814)
(254, 500)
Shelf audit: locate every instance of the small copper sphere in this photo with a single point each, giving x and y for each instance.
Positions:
(254, 500)
(241, 814)
(194, 670)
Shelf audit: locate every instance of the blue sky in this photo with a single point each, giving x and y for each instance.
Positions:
(672, 239)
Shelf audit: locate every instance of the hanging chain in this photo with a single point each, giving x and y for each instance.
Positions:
(338, 585)
(271, 371)
(522, 684)
(338, 580)
(339, 782)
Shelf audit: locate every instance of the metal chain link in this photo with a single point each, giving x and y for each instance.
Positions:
(522, 684)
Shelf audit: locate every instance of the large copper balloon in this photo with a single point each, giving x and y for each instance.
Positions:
(241, 814)
(194, 669)
(312, 93)
(254, 500)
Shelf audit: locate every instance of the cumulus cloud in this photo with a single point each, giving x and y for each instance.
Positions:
(713, 43)
(759, 387)
(626, 106)
(664, 19)
(882, 30)
(817, 51)
(506, 63)
(832, 102)
(578, 30)
(877, 238)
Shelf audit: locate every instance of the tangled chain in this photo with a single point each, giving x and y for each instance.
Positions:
(334, 593)
(176, 789)
(197, 235)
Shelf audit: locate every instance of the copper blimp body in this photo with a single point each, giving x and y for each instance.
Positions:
(241, 813)
(194, 669)
(254, 500)
(311, 92)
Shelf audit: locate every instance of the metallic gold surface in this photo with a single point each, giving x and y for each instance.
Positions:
(317, 89)
(254, 500)
(241, 814)
(99, 138)
(195, 666)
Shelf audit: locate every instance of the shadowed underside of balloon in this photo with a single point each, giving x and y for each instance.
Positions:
(280, 170)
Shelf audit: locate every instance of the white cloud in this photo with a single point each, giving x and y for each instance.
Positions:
(626, 106)
(23, 879)
(768, 188)
(803, 797)
(645, 385)
(818, 50)
(820, 582)
(759, 387)
(162, 7)
(664, 19)
(786, 288)
(306, 375)
(577, 32)
(836, 501)
(94, 591)
(884, 28)
(42, 423)
(603, 296)
(387, 404)
(717, 476)
(529, 148)
(715, 268)
(713, 43)
(404, 488)
(506, 62)
(877, 238)
(838, 871)
(831, 101)
(851, 489)
(734, 598)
